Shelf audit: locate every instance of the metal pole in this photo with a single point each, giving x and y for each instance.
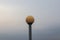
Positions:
(30, 32)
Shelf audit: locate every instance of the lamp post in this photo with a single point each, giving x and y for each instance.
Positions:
(30, 21)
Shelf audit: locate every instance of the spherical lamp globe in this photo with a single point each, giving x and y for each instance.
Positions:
(30, 19)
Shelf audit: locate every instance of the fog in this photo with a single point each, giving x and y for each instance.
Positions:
(13, 14)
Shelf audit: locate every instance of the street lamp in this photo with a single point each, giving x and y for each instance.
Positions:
(30, 21)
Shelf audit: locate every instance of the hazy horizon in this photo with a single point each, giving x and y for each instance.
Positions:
(13, 14)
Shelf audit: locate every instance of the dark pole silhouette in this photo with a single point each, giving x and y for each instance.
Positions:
(30, 32)
(30, 21)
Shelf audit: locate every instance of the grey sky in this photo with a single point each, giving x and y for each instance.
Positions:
(14, 12)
